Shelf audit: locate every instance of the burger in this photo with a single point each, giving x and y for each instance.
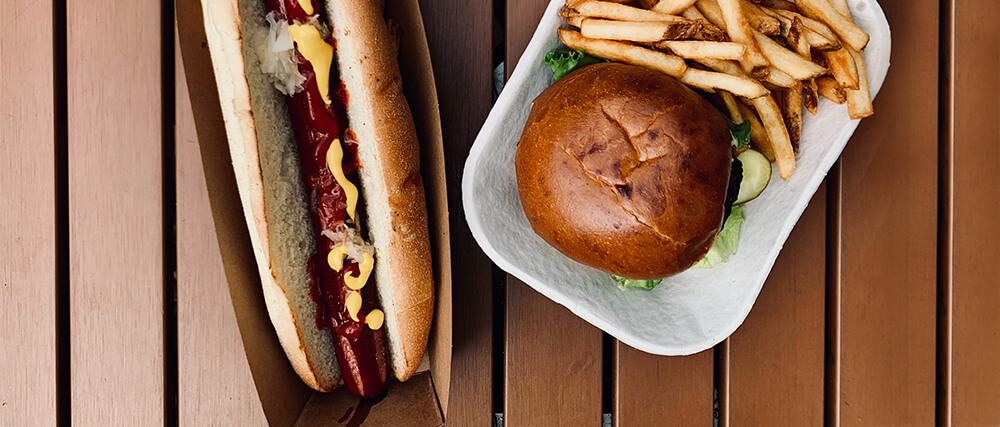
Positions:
(627, 170)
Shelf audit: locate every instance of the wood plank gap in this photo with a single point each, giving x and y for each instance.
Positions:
(169, 189)
(608, 373)
(831, 377)
(63, 386)
(499, 276)
(722, 383)
(946, 203)
(499, 287)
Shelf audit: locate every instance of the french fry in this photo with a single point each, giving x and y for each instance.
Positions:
(797, 39)
(723, 66)
(711, 11)
(778, 4)
(758, 135)
(738, 85)
(809, 98)
(617, 12)
(820, 36)
(789, 62)
(732, 107)
(790, 105)
(638, 31)
(754, 62)
(829, 88)
(576, 21)
(842, 67)
(624, 52)
(761, 21)
(648, 4)
(859, 102)
(709, 31)
(780, 78)
(771, 118)
(672, 7)
(823, 11)
(841, 7)
(703, 49)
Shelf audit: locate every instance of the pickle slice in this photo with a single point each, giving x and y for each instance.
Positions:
(756, 175)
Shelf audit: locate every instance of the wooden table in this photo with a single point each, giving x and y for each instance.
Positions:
(882, 308)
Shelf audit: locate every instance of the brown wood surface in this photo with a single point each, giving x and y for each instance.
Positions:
(460, 35)
(775, 359)
(975, 196)
(215, 385)
(909, 312)
(522, 18)
(655, 390)
(115, 212)
(553, 362)
(888, 234)
(28, 238)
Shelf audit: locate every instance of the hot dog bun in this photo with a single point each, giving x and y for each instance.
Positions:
(265, 162)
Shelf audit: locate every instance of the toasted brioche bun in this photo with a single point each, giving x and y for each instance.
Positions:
(268, 175)
(625, 169)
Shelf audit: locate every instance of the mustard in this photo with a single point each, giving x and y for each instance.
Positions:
(334, 161)
(307, 6)
(365, 269)
(317, 51)
(374, 319)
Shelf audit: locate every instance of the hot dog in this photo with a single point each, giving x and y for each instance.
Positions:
(325, 154)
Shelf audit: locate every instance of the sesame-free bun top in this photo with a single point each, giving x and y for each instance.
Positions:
(625, 169)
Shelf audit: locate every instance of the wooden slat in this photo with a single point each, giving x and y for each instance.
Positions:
(115, 212)
(27, 215)
(662, 391)
(975, 198)
(552, 374)
(553, 363)
(215, 385)
(888, 232)
(776, 356)
(459, 33)
(522, 19)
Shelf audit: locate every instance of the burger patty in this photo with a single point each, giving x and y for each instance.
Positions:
(735, 178)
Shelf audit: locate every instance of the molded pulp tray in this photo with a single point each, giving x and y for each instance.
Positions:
(686, 313)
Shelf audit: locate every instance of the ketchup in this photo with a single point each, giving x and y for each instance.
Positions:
(361, 351)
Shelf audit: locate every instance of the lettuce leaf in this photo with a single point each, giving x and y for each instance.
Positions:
(726, 243)
(562, 61)
(740, 131)
(625, 283)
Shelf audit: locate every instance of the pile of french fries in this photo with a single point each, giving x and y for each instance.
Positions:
(765, 59)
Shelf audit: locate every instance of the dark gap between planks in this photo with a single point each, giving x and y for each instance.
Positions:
(944, 215)
(169, 191)
(499, 277)
(61, 151)
(831, 351)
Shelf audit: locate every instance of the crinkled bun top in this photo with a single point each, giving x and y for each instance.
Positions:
(625, 169)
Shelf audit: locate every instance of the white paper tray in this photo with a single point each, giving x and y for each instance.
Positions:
(686, 313)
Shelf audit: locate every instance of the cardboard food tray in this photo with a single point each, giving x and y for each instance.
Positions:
(686, 313)
(285, 399)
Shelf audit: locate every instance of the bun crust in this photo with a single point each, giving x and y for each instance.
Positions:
(625, 169)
